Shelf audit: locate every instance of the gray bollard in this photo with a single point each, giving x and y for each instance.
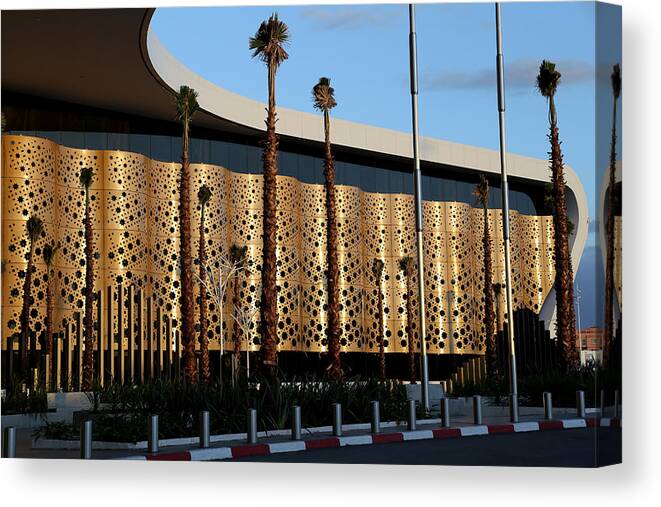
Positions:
(9, 443)
(445, 412)
(548, 406)
(337, 420)
(514, 408)
(602, 403)
(376, 417)
(616, 405)
(86, 439)
(412, 415)
(477, 409)
(205, 429)
(252, 426)
(296, 422)
(152, 442)
(580, 404)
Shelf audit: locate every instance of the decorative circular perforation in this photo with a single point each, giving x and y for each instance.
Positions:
(135, 219)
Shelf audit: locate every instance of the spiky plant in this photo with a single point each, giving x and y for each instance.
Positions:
(186, 103)
(323, 98)
(238, 258)
(48, 253)
(481, 194)
(548, 80)
(86, 178)
(203, 198)
(616, 83)
(407, 267)
(268, 44)
(377, 269)
(34, 227)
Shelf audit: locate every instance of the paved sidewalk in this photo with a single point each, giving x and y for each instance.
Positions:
(320, 437)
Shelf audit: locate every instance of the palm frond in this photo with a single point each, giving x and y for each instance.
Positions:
(204, 195)
(548, 79)
(323, 95)
(34, 227)
(268, 43)
(377, 268)
(86, 177)
(48, 253)
(616, 80)
(238, 254)
(481, 191)
(186, 102)
(406, 265)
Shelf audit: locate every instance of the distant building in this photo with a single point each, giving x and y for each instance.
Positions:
(589, 341)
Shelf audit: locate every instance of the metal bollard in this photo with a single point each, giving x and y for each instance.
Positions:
(445, 412)
(86, 439)
(616, 405)
(602, 403)
(252, 426)
(337, 420)
(580, 404)
(296, 422)
(376, 417)
(152, 442)
(477, 409)
(548, 406)
(412, 415)
(9, 443)
(205, 429)
(514, 408)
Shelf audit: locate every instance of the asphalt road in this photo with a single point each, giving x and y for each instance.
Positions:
(564, 448)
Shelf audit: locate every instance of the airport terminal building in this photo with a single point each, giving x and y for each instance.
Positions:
(108, 104)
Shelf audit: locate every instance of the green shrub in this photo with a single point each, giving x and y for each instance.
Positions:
(20, 401)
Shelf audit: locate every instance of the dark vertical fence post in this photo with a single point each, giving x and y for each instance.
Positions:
(130, 331)
(141, 335)
(120, 332)
(100, 338)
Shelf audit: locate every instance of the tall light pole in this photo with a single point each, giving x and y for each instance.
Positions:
(514, 404)
(413, 61)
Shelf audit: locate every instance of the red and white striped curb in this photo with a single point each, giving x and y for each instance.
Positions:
(243, 451)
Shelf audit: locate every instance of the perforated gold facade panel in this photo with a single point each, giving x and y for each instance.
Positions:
(134, 201)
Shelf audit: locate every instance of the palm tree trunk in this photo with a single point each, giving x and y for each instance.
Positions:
(489, 317)
(236, 332)
(409, 329)
(204, 324)
(25, 313)
(49, 323)
(268, 306)
(88, 358)
(610, 246)
(382, 345)
(335, 369)
(564, 279)
(186, 265)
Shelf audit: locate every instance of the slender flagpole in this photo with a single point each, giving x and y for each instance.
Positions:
(413, 60)
(514, 405)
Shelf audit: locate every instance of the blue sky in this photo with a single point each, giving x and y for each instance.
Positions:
(364, 50)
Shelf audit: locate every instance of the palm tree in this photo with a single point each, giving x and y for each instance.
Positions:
(407, 267)
(547, 84)
(481, 193)
(48, 254)
(34, 228)
(377, 268)
(186, 102)
(324, 100)
(238, 258)
(616, 82)
(203, 198)
(86, 178)
(268, 44)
